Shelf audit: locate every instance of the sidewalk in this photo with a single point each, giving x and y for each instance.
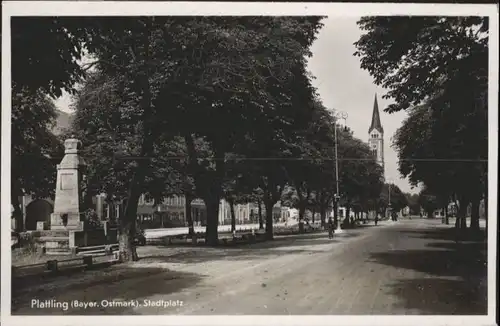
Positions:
(158, 233)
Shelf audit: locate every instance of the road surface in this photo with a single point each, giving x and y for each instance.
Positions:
(405, 267)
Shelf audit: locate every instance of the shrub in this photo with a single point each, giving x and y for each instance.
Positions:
(92, 220)
(28, 242)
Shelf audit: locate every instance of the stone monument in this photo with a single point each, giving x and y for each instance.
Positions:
(67, 214)
(69, 234)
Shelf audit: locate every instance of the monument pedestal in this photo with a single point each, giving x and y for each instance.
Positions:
(73, 222)
(66, 219)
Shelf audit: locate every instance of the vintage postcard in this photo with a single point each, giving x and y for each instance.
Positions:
(249, 163)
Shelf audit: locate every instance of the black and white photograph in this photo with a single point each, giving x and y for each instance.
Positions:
(248, 162)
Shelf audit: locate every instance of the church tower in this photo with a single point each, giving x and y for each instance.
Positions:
(376, 135)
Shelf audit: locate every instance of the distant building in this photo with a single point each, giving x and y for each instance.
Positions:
(172, 213)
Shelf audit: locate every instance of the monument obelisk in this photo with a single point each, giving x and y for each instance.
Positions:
(67, 201)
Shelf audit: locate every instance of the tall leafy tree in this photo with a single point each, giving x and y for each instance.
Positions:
(112, 144)
(46, 53)
(232, 62)
(415, 58)
(38, 75)
(391, 194)
(428, 201)
(438, 68)
(355, 167)
(413, 203)
(33, 148)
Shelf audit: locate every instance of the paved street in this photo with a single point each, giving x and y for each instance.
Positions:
(406, 267)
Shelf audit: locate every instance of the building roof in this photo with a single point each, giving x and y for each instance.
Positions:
(376, 124)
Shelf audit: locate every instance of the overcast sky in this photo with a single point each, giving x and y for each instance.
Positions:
(343, 85)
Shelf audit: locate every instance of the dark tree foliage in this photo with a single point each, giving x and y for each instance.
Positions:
(45, 54)
(437, 67)
(34, 148)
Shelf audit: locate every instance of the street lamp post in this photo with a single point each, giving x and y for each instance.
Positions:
(389, 199)
(338, 115)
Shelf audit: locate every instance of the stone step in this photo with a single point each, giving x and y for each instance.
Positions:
(54, 233)
(103, 246)
(94, 250)
(92, 253)
(54, 239)
(58, 251)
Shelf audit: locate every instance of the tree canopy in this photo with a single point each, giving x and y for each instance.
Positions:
(416, 58)
(437, 69)
(33, 145)
(212, 107)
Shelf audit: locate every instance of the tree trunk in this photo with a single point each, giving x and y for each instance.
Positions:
(335, 213)
(302, 211)
(233, 215)
(211, 233)
(18, 213)
(446, 215)
(463, 220)
(486, 212)
(461, 214)
(189, 216)
(261, 220)
(87, 200)
(313, 213)
(486, 205)
(128, 219)
(486, 217)
(127, 226)
(347, 219)
(322, 213)
(269, 204)
(474, 220)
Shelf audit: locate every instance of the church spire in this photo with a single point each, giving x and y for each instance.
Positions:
(376, 124)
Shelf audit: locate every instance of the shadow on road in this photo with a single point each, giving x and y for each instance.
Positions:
(112, 285)
(19, 282)
(211, 254)
(435, 262)
(295, 244)
(449, 234)
(457, 282)
(278, 241)
(435, 296)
